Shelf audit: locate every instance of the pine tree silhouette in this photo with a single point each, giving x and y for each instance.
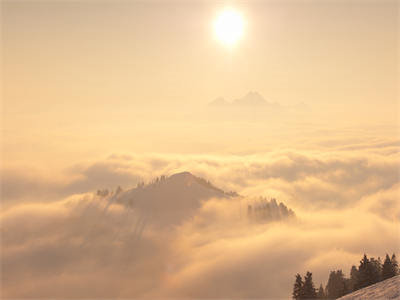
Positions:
(336, 286)
(365, 272)
(321, 292)
(387, 268)
(309, 289)
(395, 265)
(298, 288)
(353, 278)
(376, 270)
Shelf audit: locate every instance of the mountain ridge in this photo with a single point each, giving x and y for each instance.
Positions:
(253, 101)
(168, 200)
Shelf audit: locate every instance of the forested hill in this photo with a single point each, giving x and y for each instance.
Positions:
(170, 200)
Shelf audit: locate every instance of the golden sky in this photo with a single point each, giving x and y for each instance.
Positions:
(97, 94)
(135, 53)
(81, 72)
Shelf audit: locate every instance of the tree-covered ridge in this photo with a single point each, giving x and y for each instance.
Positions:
(164, 179)
(369, 271)
(186, 186)
(271, 210)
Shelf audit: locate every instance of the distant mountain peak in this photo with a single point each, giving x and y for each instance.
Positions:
(251, 99)
(219, 102)
(253, 94)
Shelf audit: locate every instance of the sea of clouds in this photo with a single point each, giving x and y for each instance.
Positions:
(59, 239)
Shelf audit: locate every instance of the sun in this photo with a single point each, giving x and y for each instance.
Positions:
(228, 27)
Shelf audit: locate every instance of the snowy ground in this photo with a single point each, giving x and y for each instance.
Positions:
(387, 289)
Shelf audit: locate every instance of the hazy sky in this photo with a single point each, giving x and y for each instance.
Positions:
(64, 55)
(77, 73)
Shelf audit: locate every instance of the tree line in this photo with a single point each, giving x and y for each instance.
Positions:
(369, 271)
(264, 210)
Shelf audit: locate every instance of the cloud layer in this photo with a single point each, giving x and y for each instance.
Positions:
(61, 240)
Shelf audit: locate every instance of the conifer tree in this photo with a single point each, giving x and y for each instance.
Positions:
(353, 278)
(395, 265)
(321, 292)
(376, 270)
(336, 286)
(308, 288)
(298, 288)
(365, 272)
(387, 268)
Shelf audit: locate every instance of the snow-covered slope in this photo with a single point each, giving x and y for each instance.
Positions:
(387, 289)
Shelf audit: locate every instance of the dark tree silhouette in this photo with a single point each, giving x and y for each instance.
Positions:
(336, 286)
(376, 270)
(395, 265)
(370, 271)
(298, 288)
(365, 272)
(387, 268)
(321, 292)
(353, 278)
(308, 288)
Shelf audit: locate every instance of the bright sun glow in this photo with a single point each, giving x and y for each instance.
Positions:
(229, 27)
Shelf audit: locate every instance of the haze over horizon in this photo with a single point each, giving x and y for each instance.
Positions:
(105, 102)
